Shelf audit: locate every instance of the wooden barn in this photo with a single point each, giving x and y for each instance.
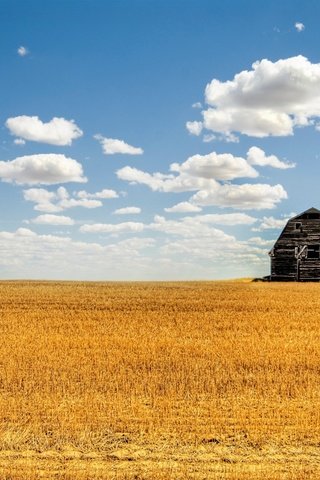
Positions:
(296, 254)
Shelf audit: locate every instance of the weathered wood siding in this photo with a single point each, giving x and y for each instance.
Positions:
(303, 230)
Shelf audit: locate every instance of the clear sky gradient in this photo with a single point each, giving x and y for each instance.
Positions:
(150, 139)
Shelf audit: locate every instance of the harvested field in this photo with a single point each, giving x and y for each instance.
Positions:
(159, 381)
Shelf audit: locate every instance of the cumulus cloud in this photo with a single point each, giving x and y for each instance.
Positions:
(260, 241)
(196, 236)
(199, 225)
(271, 223)
(197, 239)
(42, 198)
(234, 254)
(22, 51)
(192, 247)
(201, 172)
(195, 226)
(162, 182)
(187, 227)
(30, 255)
(127, 211)
(49, 219)
(226, 137)
(230, 219)
(197, 105)
(299, 26)
(273, 99)
(103, 194)
(195, 128)
(207, 138)
(112, 228)
(46, 169)
(46, 201)
(57, 131)
(111, 146)
(82, 202)
(246, 196)
(183, 207)
(216, 166)
(205, 174)
(256, 156)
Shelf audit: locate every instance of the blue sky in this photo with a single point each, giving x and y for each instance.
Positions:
(154, 139)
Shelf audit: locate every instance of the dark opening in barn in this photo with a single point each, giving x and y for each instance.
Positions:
(296, 254)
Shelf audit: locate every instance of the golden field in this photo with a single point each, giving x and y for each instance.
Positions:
(159, 381)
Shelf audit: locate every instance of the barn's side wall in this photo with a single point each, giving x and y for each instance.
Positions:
(283, 268)
(284, 264)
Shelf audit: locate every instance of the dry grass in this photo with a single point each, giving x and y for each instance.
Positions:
(159, 381)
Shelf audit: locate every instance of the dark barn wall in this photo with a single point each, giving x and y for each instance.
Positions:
(296, 253)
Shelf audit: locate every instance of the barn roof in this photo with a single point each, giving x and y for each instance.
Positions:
(310, 210)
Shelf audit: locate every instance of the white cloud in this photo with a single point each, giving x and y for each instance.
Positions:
(197, 105)
(238, 258)
(226, 137)
(112, 228)
(23, 232)
(19, 141)
(230, 138)
(195, 128)
(273, 99)
(187, 227)
(195, 239)
(256, 156)
(131, 246)
(216, 166)
(62, 193)
(270, 223)
(246, 196)
(42, 198)
(57, 131)
(22, 51)
(183, 207)
(195, 226)
(127, 211)
(111, 146)
(207, 138)
(82, 202)
(48, 219)
(230, 219)
(199, 226)
(163, 182)
(299, 26)
(200, 173)
(29, 255)
(178, 250)
(260, 241)
(61, 200)
(46, 169)
(104, 194)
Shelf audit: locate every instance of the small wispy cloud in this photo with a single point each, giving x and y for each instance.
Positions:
(299, 26)
(22, 51)
(111, 146)
(19, 141)
(48, 219)
(195, 128)
(127, 211)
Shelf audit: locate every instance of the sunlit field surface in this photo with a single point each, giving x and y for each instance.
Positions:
(162, 381)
